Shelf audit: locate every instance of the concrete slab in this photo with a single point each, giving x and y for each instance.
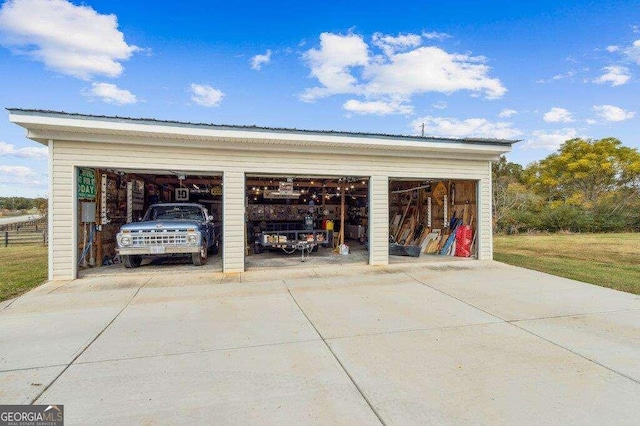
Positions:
(484, 374)
(156, 266)
(99, 283)
(61, 301)
(351, 306)
(299, 383)
(188, 322)
(517, 294)
(453, 366)
(324, 257)
(49, 338)
(611, 339)
(182, 280)
(23, 386)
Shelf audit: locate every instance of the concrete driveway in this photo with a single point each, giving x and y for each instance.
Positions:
(462, 343)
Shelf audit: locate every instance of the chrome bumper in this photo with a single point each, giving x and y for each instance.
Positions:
(157, 250)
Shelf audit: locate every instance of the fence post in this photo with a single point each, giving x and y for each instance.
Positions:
(6, 238)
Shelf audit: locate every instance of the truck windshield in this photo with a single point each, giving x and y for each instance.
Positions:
(174, 212)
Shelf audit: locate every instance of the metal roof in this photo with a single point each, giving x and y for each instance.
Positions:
(293, 131)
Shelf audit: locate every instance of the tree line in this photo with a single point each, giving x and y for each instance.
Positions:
(22, 203)
(586, 186)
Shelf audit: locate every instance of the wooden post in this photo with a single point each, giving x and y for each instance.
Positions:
(6, 238)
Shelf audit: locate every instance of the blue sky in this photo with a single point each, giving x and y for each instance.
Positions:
(542, 71)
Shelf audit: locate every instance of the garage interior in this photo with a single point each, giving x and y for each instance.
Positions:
(432, 219)
(109, 198)
(316, 220)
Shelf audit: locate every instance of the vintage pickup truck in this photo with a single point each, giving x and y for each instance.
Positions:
(172, 229)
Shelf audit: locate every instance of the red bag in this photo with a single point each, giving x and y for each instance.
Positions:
(464, 236)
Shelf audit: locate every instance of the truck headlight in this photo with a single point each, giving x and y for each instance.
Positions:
(125, 240)
(192, 238)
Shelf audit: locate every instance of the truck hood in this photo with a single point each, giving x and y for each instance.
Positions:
(162, 225)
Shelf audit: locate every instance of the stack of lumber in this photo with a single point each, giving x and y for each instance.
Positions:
(407, 230)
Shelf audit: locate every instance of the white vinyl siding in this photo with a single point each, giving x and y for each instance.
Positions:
(233, 240)
(379, 220)
(234, 163)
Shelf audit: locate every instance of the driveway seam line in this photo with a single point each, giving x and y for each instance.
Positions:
(90, 343)
(201, 351)
(32, 368)
(512, 323)
(577, 353)
(375, 412)
(411, 330)
(618, 311)
(454, 297)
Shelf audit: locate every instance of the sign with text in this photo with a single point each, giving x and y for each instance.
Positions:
(182, 194)
(286, 188)
(32, 415)
(86, 184)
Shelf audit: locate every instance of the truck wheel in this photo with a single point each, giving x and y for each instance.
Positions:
(200, 258)
(257, 248)
(131, 261)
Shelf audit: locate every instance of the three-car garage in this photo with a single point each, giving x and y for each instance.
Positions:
(262, 187)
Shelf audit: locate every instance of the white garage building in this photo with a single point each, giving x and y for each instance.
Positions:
(234, 156)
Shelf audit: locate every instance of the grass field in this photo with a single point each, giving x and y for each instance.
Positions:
(608, 260)
(22, 267)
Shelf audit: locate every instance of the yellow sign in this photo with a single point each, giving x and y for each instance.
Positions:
(439, 192)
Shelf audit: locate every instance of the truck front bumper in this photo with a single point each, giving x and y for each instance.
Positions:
(157, 250)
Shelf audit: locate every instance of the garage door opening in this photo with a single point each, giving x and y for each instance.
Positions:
(432, 220)
(120, 230)
(306, 220)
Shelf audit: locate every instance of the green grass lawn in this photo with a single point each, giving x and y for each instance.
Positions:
(608, 260)
(22, 267)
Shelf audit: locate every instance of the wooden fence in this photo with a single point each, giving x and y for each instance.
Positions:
(32, 232)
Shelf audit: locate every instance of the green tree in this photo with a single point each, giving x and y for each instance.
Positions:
(584, 170)
(509, 194)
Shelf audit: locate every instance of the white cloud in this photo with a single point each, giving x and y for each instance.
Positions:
(376, 107)
(205, 95)
(550, 140)
(390, 44)
(331, 65)
(21, 176)
(472, 127)
(440, 105)
(612, 49)
(73, 40)
(434, 35)
(506, 113)
(557, 115)
(613, 113)
(615, 74)
(559, 77)
(259, 60)
(111, 94)
(35, 153)
(633, 52)
(393, 69)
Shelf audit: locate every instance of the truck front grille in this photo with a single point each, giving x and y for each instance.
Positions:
(159, 239)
